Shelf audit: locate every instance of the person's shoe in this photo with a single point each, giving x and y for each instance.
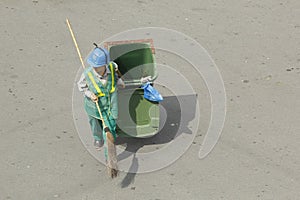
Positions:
(98, 144)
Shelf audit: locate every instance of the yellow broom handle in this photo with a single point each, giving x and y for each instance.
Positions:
(82, 63)
(104, 125)
(74, 40)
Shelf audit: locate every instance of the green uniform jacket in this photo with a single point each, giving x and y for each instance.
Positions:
(107, 94)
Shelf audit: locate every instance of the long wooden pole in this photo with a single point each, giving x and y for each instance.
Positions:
(112, 162)
(82, 63)
(75, 42)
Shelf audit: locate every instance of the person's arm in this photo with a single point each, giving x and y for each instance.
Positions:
(83, 87)
(120, 81)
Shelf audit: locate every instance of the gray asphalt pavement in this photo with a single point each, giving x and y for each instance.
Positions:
(255, 45)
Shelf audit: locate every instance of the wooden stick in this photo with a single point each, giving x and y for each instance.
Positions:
(75, 42)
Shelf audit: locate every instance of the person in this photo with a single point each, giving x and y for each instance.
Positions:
(99, 82)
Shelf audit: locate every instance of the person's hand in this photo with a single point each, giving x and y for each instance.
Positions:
(94, 97)
(121, 83)
(145, 79)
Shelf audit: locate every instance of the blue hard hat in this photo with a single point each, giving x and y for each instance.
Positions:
(98, 57)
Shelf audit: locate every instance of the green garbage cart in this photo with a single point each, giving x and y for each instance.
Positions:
(138, 117)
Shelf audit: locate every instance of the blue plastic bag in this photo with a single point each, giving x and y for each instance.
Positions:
(151, 93)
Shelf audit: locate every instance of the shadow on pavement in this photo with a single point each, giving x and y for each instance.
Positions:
(176, 123)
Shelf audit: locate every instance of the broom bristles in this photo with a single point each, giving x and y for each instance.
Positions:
(112, 166)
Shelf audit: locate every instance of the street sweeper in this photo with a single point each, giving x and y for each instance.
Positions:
(99, 83)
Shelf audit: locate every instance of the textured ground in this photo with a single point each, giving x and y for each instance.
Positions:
(255, 44)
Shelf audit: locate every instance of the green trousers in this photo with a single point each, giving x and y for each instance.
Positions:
(97, 126)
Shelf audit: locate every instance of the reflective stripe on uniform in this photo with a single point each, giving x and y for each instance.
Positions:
(100, 94)
(112, 71)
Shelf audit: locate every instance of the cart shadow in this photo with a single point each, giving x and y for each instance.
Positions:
(171, 126)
